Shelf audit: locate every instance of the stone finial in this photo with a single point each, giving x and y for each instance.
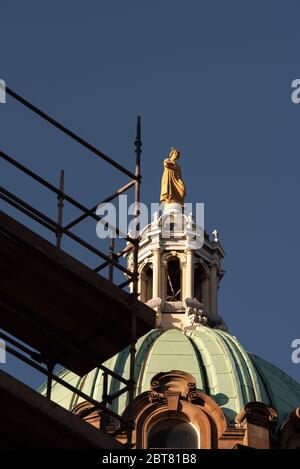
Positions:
(215, 234)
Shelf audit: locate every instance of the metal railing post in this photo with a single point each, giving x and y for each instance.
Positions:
(103, 419)
(60, 206)
(50, 368)
(111, 256)
(132, 386)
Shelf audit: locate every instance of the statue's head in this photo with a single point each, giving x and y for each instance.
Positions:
(174, 154)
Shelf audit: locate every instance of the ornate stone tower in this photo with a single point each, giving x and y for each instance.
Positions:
(179, 279)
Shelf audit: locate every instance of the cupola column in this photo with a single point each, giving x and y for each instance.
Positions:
(213, 306)
(189, 286)
(205, 291)
(156, 273)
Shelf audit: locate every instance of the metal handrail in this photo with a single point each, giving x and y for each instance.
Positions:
(47, 222)
(57, 191)
(69, 132)
(32, 362)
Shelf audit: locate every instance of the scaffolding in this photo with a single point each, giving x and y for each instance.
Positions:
(25, 348)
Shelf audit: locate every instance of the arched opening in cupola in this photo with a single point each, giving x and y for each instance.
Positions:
(174, 290)
(146, 283)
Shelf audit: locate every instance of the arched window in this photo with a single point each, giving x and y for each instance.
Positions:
(146, 284)
(173, 433)
(173, 280)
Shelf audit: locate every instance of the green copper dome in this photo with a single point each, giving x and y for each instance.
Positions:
(218, 362)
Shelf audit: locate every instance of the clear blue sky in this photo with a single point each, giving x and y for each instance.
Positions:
(213, 78)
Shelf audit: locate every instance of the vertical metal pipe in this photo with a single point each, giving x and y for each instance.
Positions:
(111, 255)
(137, 197)
(50, 369)
(103, 421)
(137, 193)
(60, 205)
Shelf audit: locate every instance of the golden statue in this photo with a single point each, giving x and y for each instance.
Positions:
(172, 186)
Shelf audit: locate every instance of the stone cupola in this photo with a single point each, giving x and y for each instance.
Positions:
(180, 270)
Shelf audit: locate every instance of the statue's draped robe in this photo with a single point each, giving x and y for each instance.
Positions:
(172, 186)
